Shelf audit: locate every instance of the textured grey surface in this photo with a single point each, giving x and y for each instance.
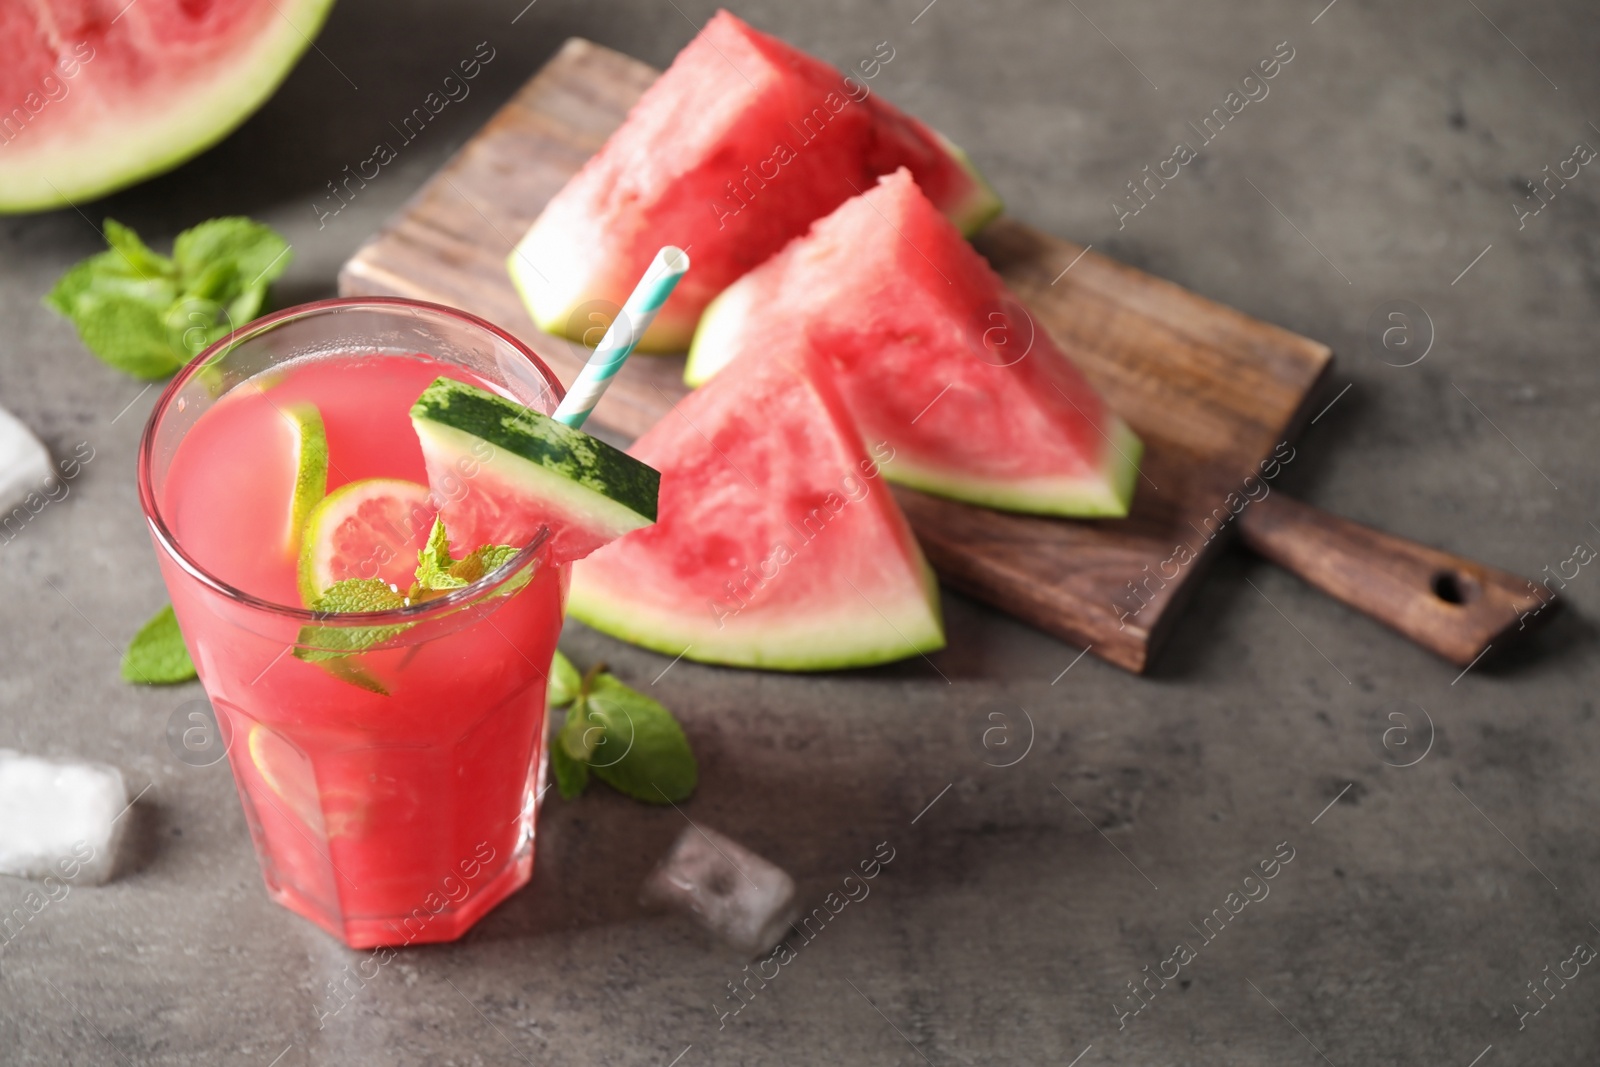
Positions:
(1006, 928)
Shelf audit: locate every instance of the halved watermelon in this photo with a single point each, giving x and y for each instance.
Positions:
(779, 546)
(933, 356)
(103, 93)
(500, 472)
(736, 149)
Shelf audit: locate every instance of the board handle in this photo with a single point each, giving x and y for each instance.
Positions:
(1449, 605)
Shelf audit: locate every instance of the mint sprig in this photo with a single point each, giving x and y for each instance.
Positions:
(332, 646)
(624, 738)
(351, 595)
(149, 314)
(434, 562)
(157, 655)
(436, 574)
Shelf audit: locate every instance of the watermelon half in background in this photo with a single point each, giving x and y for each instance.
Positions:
(933, 355)
(737, 148)
(778, 545)
(98, 94)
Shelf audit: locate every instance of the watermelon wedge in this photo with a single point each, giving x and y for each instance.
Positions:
(103, 93)
(735, 150)
(500, 472)
(933, 356)
(779, 545)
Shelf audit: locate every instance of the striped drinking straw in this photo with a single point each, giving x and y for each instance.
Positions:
(660, 278)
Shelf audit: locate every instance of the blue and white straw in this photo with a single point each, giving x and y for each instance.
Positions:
(660, 278)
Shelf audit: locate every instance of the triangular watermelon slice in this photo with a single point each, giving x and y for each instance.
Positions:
(735, 150)
(779, 545)
(934, 356)
(499, 472)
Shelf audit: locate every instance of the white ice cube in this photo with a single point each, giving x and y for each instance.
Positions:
(726, 888)
(24, 462)
(59, 819)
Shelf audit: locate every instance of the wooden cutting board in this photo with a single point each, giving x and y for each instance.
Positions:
(1212, 392)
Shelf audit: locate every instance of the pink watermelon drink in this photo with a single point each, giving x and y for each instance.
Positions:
(388, 760)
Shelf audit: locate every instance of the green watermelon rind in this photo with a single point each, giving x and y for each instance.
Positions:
(693, 635)
(44, 179)
(983, 205)
(580, 475)
(714, 342)
(1106, 493)
(667, 334)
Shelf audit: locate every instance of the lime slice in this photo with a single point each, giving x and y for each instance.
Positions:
(367, 529)
(310, 468)
(325, 809)
(287, 772)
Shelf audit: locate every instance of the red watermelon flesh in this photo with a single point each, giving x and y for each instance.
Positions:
(737, 148)
(933, 355)
(778, 545)
(101, 93)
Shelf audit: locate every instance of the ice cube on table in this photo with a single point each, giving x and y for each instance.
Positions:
(24, 462)
(732, 892)
(59, 818)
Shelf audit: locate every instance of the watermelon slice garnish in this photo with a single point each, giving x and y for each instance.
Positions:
(101, 95)
(932, 355)
(779, 545)
(733, 151)
(501, 472)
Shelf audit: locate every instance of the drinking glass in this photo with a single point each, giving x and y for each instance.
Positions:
(392, 795)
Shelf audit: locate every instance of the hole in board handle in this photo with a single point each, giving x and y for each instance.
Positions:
(1454, 588)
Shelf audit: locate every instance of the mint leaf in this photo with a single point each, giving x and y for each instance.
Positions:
(138, 256)
(254, 252)
(126, 332)
(434, 562)
(148, 315)
(359, 594)
(643, 752)
(437, 572)
(565, 682)
(484, 560)
(347, 670)
(572, 776)
(579, 737)
(622, 736)
(118, 310)
(331, 645)
(314, 644)
(157, 655)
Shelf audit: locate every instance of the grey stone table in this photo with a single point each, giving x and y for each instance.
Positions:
(1388, 162)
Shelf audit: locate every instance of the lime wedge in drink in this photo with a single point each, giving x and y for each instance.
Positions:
(310, 464)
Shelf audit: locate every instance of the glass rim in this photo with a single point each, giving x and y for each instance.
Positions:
(166, 541)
